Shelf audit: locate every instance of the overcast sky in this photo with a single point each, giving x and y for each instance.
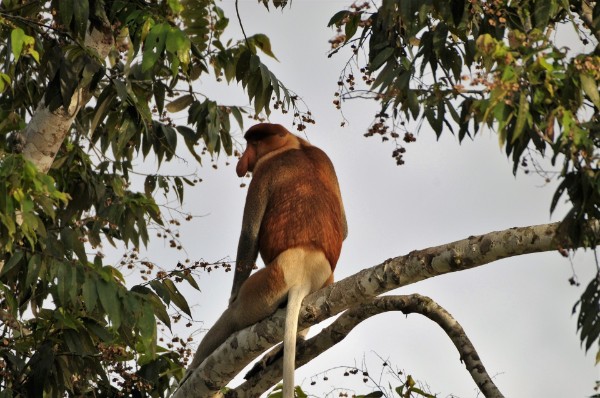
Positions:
(516, 311)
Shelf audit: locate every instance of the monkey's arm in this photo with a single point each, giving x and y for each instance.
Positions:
(326, 164)
(254, 210)
(339, 195)
(345, 222)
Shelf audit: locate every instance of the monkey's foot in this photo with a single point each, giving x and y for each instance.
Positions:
(265, 361)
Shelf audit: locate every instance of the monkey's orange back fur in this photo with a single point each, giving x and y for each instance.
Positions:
(303, 207)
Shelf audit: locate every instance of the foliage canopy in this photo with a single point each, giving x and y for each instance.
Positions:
(70, 322)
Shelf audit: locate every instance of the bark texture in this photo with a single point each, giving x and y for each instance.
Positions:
(48, 129)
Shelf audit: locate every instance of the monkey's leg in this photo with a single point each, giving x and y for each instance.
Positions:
(277, 351)
(259, 297)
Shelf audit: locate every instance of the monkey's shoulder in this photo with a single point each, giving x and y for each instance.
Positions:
(306, 159)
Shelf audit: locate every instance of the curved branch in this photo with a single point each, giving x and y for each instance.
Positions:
(432, 310)
(242, 347)
(337, 331)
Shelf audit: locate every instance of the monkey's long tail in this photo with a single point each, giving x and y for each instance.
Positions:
(295, 297)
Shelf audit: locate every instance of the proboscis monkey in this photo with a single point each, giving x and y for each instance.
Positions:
(295, 219)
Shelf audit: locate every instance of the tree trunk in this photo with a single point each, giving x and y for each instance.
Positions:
(48, 129)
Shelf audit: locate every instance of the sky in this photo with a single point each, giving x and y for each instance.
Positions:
(516, 311)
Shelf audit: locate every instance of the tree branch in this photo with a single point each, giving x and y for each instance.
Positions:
(240, 349)
(337, 331)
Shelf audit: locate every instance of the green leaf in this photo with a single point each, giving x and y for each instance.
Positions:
(381, 57)
(89, 292)
(177, 297)
(78, 342)
(121, 90)
(175, 6)
(81, 14)
(160, 310)
(565, 185)
(149, 185)
(108, 294)
(237, 114)
(190, 143)
(458, 10)
(5, 81)
(408, 8)
(154, 45)
(159, 96)
(65, 11)
(102, 106)
(188, 277)
(147, 327)
(263, 43)
(226, 138)
(71, 240)
(12, 262)
(62, 277)
(179, 44)
(299, 393)
(541, 13)
(521, 116)
(170, 138)
(351, 26)
(590, 87)
(34, 268)
(338, 18)
(69, 80)
(265, 76)
(11, 300)
(180, 103)
(254, 64)
(242, 65)
(161, 290)
(374, 394)
(98, 330)
(17, 40)
(413, 103)
(386, 76)
(588, 322)
(179, 189)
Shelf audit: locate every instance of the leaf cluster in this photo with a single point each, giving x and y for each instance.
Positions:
(86, 325)
(462, 66)
(70, 324)
(588, 321)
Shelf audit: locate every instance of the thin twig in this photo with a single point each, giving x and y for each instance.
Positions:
(237, 11)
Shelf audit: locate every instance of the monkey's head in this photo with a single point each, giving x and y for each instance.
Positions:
(263, 139)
